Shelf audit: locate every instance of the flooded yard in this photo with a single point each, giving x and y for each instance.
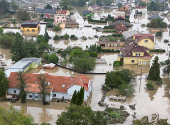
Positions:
(147, 102)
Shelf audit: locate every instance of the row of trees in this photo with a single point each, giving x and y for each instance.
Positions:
(66, 3)
(78, 97)
(101, 2)
(157, 23)
(156, 6)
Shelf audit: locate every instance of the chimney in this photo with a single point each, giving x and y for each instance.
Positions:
(35, 82)
(71, 77)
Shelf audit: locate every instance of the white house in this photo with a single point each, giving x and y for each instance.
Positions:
(60, 86)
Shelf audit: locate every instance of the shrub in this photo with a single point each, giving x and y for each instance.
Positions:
(66, 36)
(126, 16)
(57, 28)
(71, 13)
(42, 15)
(110, 30)
(117, 35)
(57, 37)
(117, 63)
(122, 38)
(73, 37)
(143, 25)
(159, 33)
(95, 36)
(53, 58)
(150, 86)
(93, 54)
(83, 38)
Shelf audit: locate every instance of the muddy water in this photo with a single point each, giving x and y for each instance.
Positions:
(147, 102)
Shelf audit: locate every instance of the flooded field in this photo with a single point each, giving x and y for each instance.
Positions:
(147, 102)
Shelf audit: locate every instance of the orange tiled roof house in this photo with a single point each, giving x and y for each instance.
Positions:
(60, 86)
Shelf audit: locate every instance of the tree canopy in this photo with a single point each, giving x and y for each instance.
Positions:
(48, 6)
(81, 115)
(14, 116)
(23, 15)
(4, 6)
(3, 83)
(154, 72)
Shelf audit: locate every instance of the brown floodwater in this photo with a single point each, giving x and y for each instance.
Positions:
(147, 101)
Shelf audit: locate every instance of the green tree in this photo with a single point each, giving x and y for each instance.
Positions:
(4, 6)
(57, 28)
(65, 3)
(1, 31)
(154, 72)
(46, 36)
(14, 6)
(143, 4)
(22, 85)
(84, 64)
(73, 97)
(17, 48)
(99, 2)
(42, 15)
(53, 58)
(14, 116)
(63, 54)
(81, 3)
(3, 83)
(119, 5)
(48, 6)
(93, 48)
(49, 25)
(66, 36)
(23, 15)
(57, 37)
(81, 115)
(44, 87)
(108, 2)
(126, 89)
(6, 40)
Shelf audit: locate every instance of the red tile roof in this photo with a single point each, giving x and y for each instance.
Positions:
(127, 51)
(62, 11)
(47, 15)
(120, 27)
(55, 81)
(140, 36)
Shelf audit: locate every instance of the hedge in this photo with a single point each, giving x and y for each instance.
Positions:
(48, 20)
(97, 21)
(110, 30)
(126, 16)
(117, 63)
(109, 27)
(158, 50)
(117, 35)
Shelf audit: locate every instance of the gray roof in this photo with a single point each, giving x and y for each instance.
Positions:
(21, 65)
(51, 11)
(32, 59)
(129, 33)
(156, 16)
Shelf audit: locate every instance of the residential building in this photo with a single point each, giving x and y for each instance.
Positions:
(108, 44)
(30, 26)
(125, 9)
(120, 28)
(60, 86)
(63, 12)
(47, 16)
(46, 11)
(128, 35)
(87, 13)
(72, 24)
(93, 8)
(144, 39)
(135, 55)
(23, 65)
(59, 18)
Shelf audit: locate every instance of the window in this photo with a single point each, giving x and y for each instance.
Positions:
(63, 17)
(27, 29)
(148, 62)
(63, 20)
(54, 95)
(57, 21)
(146, 41)
(118, 44)
(145, 62)
(132, 61)
(36, 97)
(141, 62)
(132, 66)
(113, 44)
(33, 30)
(57, 17)
(30, 96)
(15, 91)
(63, 85)
(106, 44)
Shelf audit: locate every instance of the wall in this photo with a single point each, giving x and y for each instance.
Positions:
(30, 29)
(127, 60)
(59, 18)
(11, 91)
(34, 65)
(150, 44)
(71, 90)
(59, 95)
(143, 61)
